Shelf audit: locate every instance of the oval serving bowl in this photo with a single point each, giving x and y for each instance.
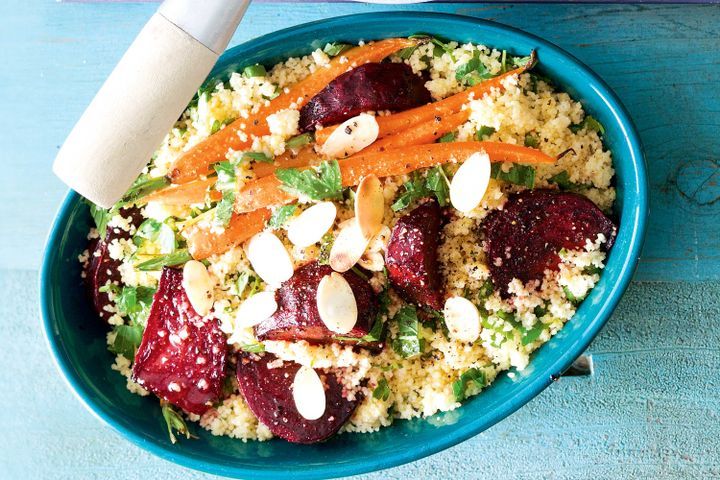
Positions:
(77, 338)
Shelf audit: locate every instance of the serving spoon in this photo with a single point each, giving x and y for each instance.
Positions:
(144, 95)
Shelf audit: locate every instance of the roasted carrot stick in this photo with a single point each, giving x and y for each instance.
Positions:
(196, 161)
(202, 242)
(420, 134)
(397, 122)
(306, 156)
(185, 194)
(266, 191)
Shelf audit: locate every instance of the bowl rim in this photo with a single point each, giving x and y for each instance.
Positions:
(562, 361)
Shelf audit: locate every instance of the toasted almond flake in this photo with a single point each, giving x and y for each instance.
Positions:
(255, 309)
(369, 205)
(198, 287)
(310, 226)
(308, 393)
(351, 136)
(470, 182)
(269, 258)
(462, 319)
(349, 246)
(336, 303)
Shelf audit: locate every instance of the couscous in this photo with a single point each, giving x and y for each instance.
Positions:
(364, 234)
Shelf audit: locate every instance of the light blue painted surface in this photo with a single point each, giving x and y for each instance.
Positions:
(652, 408)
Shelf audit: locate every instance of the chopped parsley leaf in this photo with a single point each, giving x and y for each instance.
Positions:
(256, 70)
(408, 342)
(448, 137)
(299, 140)
(438, 183)
(484, 132)
(170, 260)
(257, 156)
(324, 183)
(589, 123)
(226, 184)
(335, 48)
(382, 391)
(523, 175)
(473, 379)
(127, 340)
(175, 422)
(281, 215)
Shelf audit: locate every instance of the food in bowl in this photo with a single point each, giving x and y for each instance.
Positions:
(363, 234)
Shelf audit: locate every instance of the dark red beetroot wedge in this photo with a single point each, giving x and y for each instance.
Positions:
(182, 355)
(268, 392)
(524, 238)
(412, 260)
(372, 86)
(297, 316)
(101, 268)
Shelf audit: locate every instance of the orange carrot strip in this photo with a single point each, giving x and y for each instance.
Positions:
(406, 160)
(196, 161)
(420, 134)
(185, 194)
(306, 156)
(397, 122)
(202, 242)
(266, 191)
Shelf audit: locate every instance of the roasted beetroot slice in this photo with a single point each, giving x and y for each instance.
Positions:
(182, 355)
(268, 393)
(372, 86)
(524, 238)
(297, 316)
(102, 269)
(412, 259)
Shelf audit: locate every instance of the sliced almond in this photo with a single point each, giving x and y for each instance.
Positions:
(470, 182)
(462, 319)
(351, 136)
(336, 303)
(369, 205)
(198, 287)
(256, 309)
(349, 246)
(308, 393)
(269, 258)
(310, 226)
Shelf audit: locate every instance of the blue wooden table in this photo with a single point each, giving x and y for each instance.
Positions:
(650, 410)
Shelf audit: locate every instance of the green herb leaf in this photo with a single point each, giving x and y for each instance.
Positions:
(256, 70)
(217, 125)
(252, 347)
(127, 340)
(176, 258)
(523, 175)
(382, 391)
(531, 140)
(406, 53)
(592, 270)
(438, 183)
(175, 422)
(135, 302)
(335, 48)
(589, 123)
(415, 189)
(572, 298)
(408, 343)
(448, 137)
(142, 187)
(257, 156)
(249, 282)
(226, 184)
(101, 217)
(156, 232)
(322, 184)
(562, 180)
(529, 336)
(486, 289)
(472, 378)
(474, 71)
(299, 140)
(484, 132)
(281, 215)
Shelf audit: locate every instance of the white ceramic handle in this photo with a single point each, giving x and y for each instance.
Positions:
(144, 95)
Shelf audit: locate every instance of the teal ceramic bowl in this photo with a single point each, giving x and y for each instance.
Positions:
(77, 338)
